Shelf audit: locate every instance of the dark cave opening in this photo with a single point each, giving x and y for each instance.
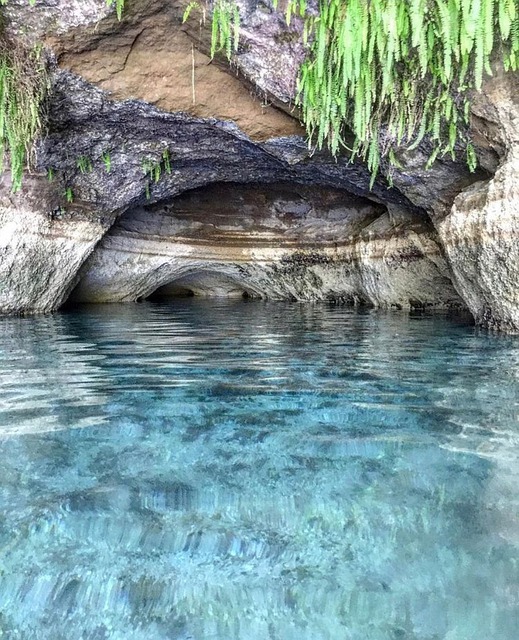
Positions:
(203, 284)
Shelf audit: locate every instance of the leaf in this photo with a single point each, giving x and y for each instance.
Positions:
(188, 10)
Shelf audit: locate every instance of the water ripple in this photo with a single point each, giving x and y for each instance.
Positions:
(245, 470)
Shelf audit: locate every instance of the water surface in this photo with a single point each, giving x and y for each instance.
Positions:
(250, 471)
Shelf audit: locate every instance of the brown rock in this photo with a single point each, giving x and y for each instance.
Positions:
(278, 241)
(151, 57)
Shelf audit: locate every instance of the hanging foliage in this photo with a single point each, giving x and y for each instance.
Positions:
(23, 86)
(119, 6)
(380, 75)
(391, 72)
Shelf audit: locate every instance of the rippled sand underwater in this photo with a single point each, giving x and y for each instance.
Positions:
(248, 470)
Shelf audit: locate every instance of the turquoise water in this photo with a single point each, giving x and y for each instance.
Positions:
(249, 470)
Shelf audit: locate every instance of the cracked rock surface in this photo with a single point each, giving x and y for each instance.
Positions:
(174, 173)
(480, 234)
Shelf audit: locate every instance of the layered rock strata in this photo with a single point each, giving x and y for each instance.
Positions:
(481, 237)
(480, 234)
(126, 162)
(154, 157)
(277, 241)
(41, 247)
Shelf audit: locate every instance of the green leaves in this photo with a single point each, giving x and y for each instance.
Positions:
(400, 70)
(189, 9)
(154, 169)
(225, 27)
(23, 86)
(119, 6)
(392, 72)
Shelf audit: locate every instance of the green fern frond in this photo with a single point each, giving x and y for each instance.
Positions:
(23, 87)
(189, 9)
(119, 7)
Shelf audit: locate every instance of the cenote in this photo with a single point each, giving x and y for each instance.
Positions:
(251, 470)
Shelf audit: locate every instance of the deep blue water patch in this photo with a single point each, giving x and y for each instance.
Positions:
(249, 471)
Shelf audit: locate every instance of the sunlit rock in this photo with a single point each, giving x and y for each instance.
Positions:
(41, 247)
(158, 117)
(480, 234)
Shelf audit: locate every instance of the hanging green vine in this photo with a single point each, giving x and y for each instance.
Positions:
(23, 86)
(395, 71)
(391, 72)
(119, 6)
(24, 83)
(225, 24)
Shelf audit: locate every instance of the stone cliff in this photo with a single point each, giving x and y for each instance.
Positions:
(174, 173)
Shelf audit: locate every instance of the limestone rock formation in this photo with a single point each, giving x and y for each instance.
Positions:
(41, 248)
(278, 241)
(481, 237)
(155, 156)
(173, 172)
(481, 232)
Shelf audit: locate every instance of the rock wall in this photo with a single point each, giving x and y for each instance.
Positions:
(41, 247)
(278, 241)
(152, 56)
(480, 234)
(164, 120)
(481, 237)
(85, 124)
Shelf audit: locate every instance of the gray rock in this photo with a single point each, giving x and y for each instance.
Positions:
(276, 241)
(480, 233)
(126, 162)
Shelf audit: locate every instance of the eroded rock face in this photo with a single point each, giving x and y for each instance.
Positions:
(87, 131)
(131, 159)
(41, 248)
(85, 124)
(277, 241)
(481, 237)
(38, 19)
(151, 55)
(481, 232)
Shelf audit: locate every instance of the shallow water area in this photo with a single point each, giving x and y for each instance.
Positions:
(243, 470)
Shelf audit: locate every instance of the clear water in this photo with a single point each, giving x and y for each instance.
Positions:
(245, 470)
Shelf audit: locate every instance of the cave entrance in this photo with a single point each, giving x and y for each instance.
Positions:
(204, 284)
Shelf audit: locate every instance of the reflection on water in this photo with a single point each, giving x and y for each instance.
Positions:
(49, 378)
(236, 470)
